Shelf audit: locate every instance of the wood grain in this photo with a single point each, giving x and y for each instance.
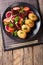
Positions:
(7, 58)
(28, 56)
(38, 55)
(22, 56)
(18, 57)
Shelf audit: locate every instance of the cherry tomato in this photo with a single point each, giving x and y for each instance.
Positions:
(11, 29)
(26, 8)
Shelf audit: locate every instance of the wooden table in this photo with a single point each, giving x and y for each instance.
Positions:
(24, 56)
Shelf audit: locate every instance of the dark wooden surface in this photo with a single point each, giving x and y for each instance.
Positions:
(24, 56)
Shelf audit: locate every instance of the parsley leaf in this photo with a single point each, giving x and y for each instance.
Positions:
(15, 33)
(16, 19)
(10, 24)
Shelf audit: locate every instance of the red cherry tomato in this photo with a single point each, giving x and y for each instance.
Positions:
(11, 29)
(26, 8)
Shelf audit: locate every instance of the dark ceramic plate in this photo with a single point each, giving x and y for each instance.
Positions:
(36, 28)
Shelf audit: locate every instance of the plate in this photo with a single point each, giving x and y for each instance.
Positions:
(36, 28)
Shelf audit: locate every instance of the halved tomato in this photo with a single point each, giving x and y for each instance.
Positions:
(9, 29)
(26, 9)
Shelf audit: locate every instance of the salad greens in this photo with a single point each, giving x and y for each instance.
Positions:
(21, 10)
(10, 24)
(16, 19)
(15, 33)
